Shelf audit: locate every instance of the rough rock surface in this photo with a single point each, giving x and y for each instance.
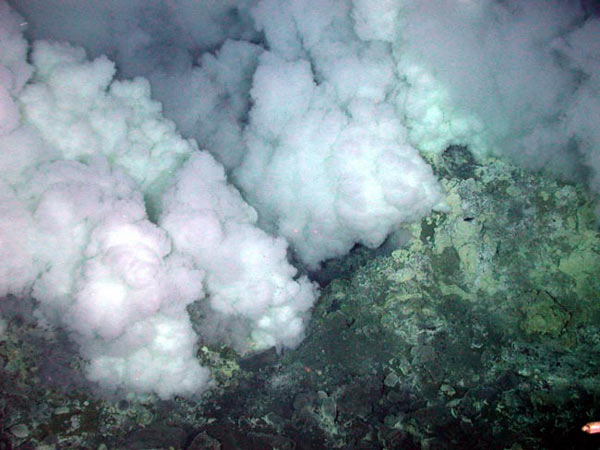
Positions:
(481, 332)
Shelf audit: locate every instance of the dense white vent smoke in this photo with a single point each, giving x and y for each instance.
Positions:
(79, 154)
(318, 111)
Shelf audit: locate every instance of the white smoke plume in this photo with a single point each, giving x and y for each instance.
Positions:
(319, 112)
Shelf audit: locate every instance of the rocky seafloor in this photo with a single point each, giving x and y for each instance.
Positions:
(478, 328)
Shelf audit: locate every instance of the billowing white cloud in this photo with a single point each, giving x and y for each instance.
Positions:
(319, 111)
(495, 76)
(115, 224)
(248, 279)
(326, 177)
